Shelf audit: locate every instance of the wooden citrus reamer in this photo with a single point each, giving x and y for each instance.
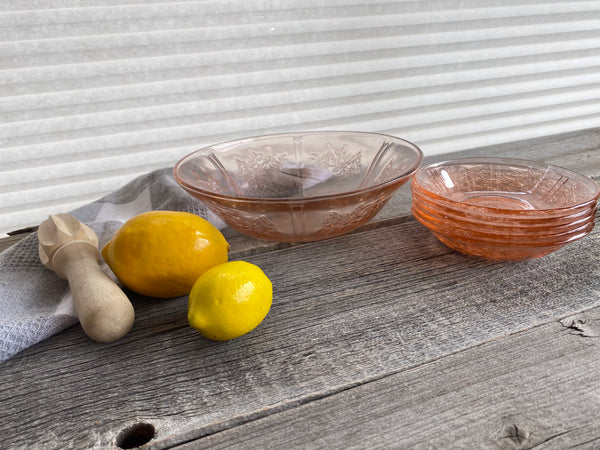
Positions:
(70, 249)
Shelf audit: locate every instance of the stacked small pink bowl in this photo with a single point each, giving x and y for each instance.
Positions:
(504, 209)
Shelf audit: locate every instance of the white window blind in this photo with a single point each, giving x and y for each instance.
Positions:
(96, 92)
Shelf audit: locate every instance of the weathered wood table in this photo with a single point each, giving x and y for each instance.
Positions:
(383, 338)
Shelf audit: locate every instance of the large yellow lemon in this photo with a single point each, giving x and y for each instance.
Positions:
(162, 253)
(229, 300)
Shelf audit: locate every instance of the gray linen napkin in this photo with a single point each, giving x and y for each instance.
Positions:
(34, 302)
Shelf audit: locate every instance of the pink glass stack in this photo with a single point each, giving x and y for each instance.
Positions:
(504, 209)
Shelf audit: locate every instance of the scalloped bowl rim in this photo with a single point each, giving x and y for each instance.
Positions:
(530, 222)
(508, 245)
(508, 238)
(493, 213)
(504, 229)
(583, 232)
(583, 179)
(294, 200)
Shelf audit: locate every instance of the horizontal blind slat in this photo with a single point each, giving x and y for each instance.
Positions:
(21, 133)
(206, 64)
(24, 38)
(52, 92)
(94, 93)
(463, 119)
(207, 55)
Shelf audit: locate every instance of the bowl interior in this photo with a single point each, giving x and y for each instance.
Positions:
(506, 184)
(298, 166)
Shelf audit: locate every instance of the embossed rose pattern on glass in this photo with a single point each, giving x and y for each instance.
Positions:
(504, 209)
(299, 186)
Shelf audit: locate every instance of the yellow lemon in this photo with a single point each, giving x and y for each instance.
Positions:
(229, 300)
(162, 253)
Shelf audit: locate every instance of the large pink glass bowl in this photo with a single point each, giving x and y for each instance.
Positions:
(299, 187)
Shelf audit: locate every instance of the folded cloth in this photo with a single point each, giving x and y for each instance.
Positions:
(34, 302)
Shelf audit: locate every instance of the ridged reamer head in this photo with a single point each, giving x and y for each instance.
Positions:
(58, 230)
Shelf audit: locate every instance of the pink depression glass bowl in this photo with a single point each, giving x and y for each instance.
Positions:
(504, 209)
(528, 224)
(299, 187)
(502, 187)
(510, 226)
(499, 252)
(491, 235)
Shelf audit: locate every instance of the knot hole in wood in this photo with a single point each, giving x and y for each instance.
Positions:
(518, 436)
(135, 435)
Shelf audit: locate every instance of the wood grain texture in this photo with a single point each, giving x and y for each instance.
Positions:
(533, 389)
(413, 342)
(342, 317)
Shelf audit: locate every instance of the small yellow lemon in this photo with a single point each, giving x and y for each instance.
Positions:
(229, 300)
(162, 253)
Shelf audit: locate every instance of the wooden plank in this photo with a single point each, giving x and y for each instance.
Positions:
(347, 311)
(534, 389)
